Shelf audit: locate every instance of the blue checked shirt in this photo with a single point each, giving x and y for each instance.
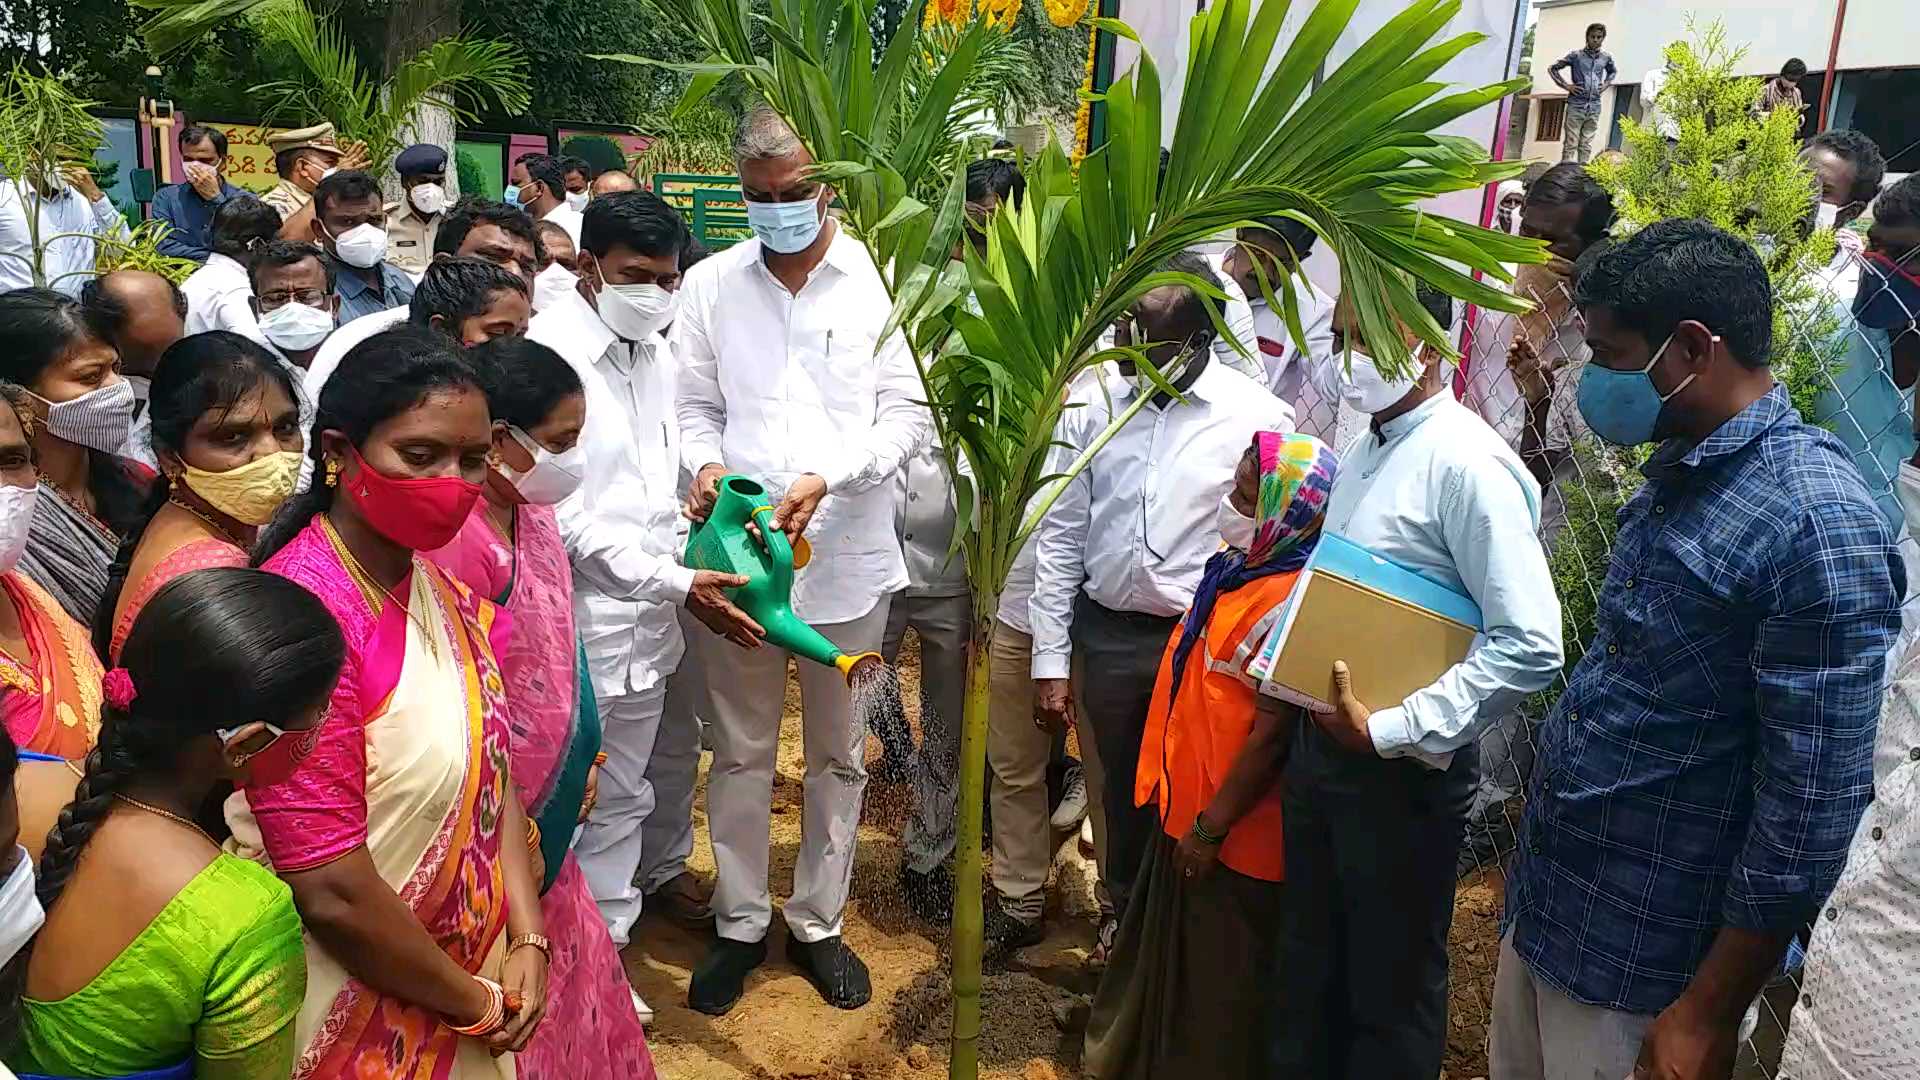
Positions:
(1713, 750)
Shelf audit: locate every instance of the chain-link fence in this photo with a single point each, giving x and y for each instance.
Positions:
(1520, 373)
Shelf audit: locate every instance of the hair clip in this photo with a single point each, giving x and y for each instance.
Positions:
(119, 689)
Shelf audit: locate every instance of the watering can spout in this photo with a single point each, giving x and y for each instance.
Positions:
(724, 542)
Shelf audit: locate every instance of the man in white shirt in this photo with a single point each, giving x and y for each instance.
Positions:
(1309, 381)
(538, 186)
(140, 314)
(787, 380)
(75, 209)
(1376, 802)
(622, 527)
(1653, 112)
(1121, 550)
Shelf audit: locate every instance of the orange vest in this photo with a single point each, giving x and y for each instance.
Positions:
(1191, 742)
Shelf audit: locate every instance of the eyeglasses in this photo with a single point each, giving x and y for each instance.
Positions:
(309, 297)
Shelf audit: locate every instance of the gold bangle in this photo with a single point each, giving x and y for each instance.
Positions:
(533, 835)
(538, 941)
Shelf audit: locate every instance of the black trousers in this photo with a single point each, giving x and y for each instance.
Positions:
(1361, 970)
(1117, 654)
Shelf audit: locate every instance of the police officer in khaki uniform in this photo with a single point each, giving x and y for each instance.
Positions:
(303, 157)
(413, 222)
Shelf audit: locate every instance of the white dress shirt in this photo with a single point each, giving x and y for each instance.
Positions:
(1858, 1017)
(326, 359)
(925, 517)
(1135, 528)
(68, 261)
(1439, 492)
(622, 525)
(569, 219)
(139, 444)
(775, 385)
(218, 296)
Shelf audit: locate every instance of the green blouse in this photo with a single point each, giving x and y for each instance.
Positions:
(218, 976)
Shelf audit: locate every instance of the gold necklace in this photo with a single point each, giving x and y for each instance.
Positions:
(168, 814)
(372, 591)
(208, 521)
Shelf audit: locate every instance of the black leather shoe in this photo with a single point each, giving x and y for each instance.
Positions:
(833, 969)
(930, 895)
(1005, 933)
(722, 977)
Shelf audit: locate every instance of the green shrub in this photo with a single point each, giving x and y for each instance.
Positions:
(596, 150)
(471, 177)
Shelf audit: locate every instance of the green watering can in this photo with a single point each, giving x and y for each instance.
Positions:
(723, 543)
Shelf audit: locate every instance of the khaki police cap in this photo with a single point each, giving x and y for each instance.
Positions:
(317, 137)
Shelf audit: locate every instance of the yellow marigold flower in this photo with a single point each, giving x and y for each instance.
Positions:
(1066, 12)
(1000, 13)
(951, 12)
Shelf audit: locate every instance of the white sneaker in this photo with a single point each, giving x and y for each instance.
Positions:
(1073, 805)
(641, 1008)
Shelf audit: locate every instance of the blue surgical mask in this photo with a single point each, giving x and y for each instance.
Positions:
(1623, 407)
(785, 227)
(512, 195)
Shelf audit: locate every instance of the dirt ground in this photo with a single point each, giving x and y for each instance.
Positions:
(1035, 1008)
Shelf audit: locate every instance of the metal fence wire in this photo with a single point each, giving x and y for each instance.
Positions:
(1841, 376)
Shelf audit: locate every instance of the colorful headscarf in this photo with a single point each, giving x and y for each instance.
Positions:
(1296, 476)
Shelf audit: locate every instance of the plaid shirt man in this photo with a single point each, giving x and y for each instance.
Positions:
(1713, 750)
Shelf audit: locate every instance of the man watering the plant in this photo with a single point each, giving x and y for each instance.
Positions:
(1121, 551)
(788, 381)
(1701, 775)
(1376, 793)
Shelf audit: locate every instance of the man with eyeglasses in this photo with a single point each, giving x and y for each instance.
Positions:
(1120, 553)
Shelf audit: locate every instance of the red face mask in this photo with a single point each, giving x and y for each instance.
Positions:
(420, 513)
(281, 758)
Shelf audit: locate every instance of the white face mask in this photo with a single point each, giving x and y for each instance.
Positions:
(553, 476)
(1236, 528)
(16, 519)
(427, 198)
(634, 311)
(363, 246)
(20, 913)
(552, 285)
(296, 327)
(1368, 391)
(99, 419)
(577, 200)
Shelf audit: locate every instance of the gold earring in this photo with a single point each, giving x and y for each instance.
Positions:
(333, 473)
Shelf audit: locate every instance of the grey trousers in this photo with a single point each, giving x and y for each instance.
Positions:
(1576, 136)
(1018, 750)
(934, 772)
(1539, 1033)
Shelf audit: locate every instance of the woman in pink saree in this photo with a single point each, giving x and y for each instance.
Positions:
(510, 551)
(400, 833)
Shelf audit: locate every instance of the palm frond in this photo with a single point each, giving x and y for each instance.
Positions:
(177, 24)
(467, 73)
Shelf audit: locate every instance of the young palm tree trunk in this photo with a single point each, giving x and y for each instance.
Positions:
(968, 915)
(411, 27)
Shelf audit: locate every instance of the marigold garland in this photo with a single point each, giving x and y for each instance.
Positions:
(1083, 116)
(952, 12)
(1066, 12)
(1000, 13)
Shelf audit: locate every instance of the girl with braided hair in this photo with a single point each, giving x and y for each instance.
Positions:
(162, 954)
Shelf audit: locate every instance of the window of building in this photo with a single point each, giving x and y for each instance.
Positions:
(1553, 113)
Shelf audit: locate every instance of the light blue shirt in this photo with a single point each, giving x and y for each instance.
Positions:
(1438, 491)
